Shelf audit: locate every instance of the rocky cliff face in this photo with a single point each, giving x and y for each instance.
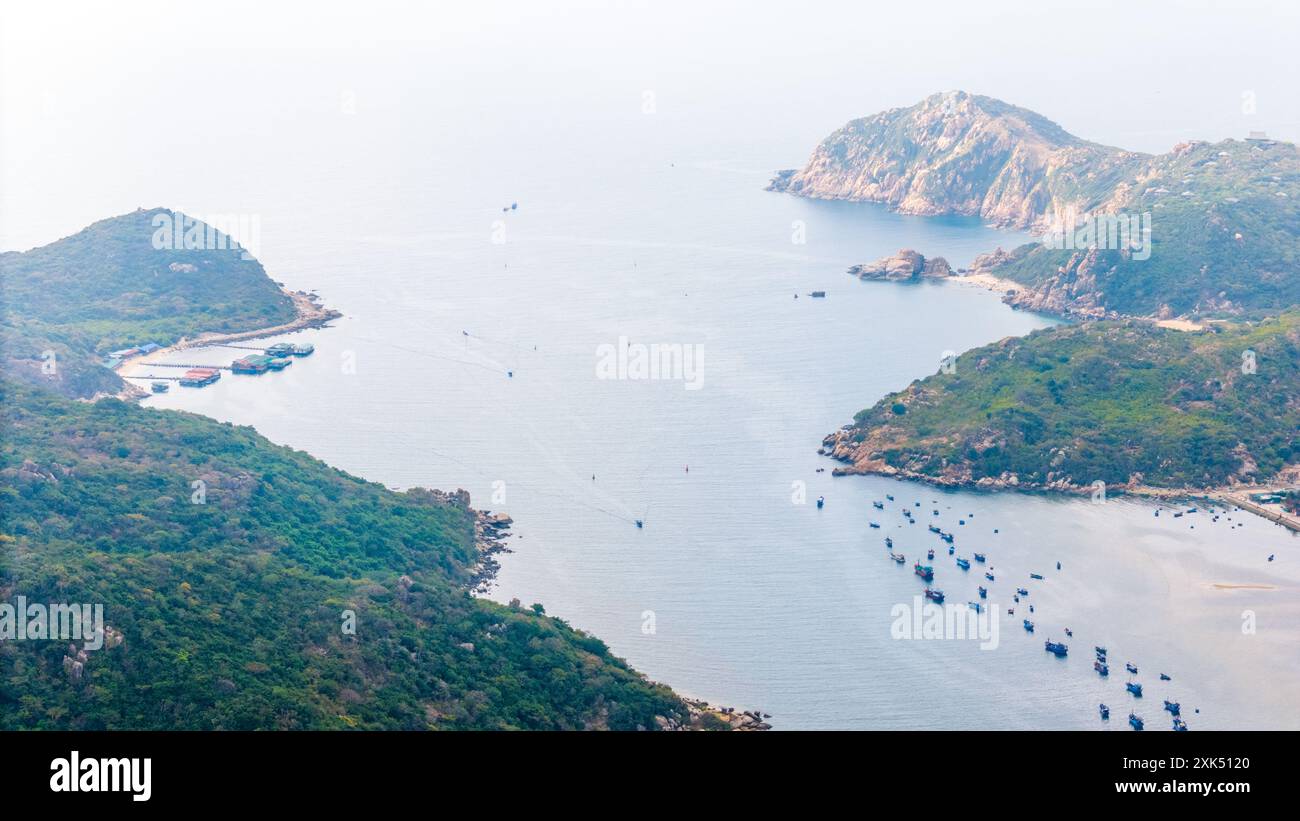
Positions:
(1074, 289)
(958, 153)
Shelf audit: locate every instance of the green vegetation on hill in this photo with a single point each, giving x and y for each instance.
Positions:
(1115, 401)
(108, 287)
(1225, 241)
(232, 610)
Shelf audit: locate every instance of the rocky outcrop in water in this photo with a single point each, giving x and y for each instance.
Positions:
(906, 264)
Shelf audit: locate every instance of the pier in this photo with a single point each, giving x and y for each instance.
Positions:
(187, 367)
(1243, 501)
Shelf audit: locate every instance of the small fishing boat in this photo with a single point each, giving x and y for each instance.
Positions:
(1101, 651)
(979, 557)
(821, 502)
(159, 387)
(1101, 667)
(951, 550)
(818, 294)
(1105, 712)
(1069, 632)
(1055, 647)
(1029, 625)
(898, 557)
(976, 606)
(1164, 677)
(1131, 667)
(875, 525)
(1180, 725)
(984, 593)
(890, 498)
(1173, 707)
(1022, 591)
(1134, 688)
(889, 542)
(1035, 576)
(934, 529)
(639, 523)
(878, 505)
(947, 537)
(964, 564)
(924, 571)
(1134, 721)
(929, 554)
(934, 595)
(988, 576)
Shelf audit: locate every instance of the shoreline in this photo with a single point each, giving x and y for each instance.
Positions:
(490, 533)
(1228, 495)
(310, 313)
(490, 530)
(986, 281)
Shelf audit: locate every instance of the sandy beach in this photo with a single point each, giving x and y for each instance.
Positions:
(988, 281)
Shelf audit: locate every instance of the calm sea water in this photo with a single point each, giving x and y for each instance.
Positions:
(733, 591)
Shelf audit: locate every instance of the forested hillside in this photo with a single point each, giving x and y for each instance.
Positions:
(121, 282)
(231, 611)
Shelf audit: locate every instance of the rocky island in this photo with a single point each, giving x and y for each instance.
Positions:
(903, 266)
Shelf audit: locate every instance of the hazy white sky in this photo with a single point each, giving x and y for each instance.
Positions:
(86, 88)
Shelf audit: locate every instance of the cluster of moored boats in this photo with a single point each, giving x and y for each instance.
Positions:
(1101, 665)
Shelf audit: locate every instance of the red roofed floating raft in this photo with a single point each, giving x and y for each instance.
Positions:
(198, 377)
